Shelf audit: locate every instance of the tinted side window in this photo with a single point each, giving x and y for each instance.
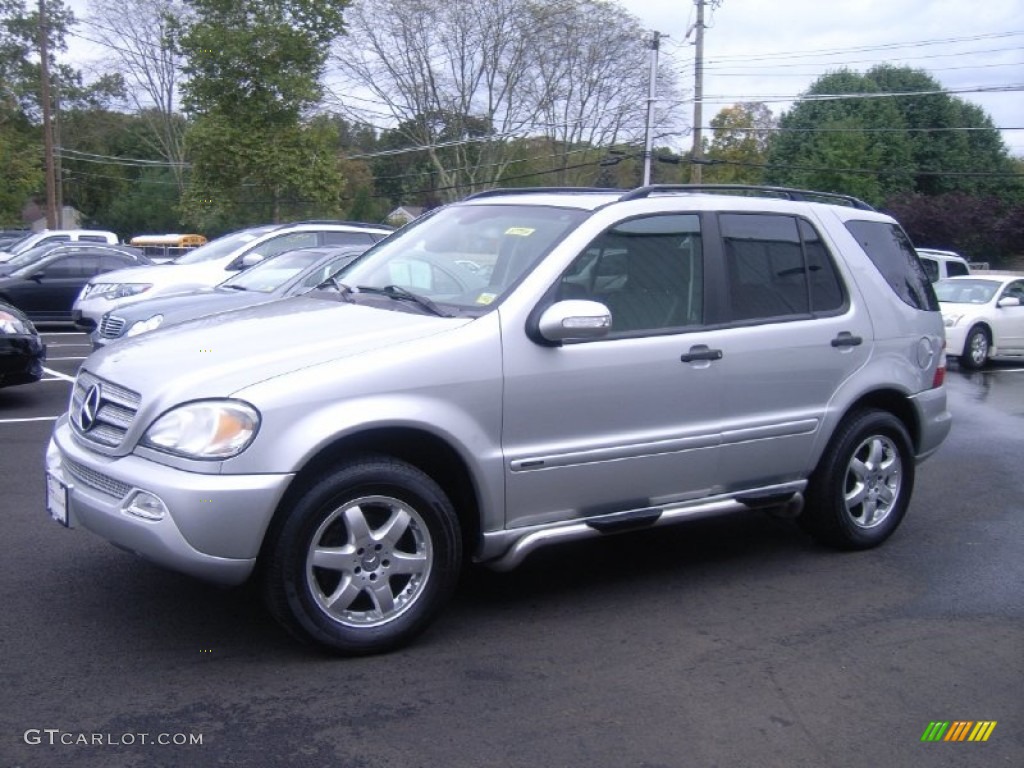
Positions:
(890, 251)
(70, 266)
(777, 266)
(954, 268)
(648, 272)
(347, 238)
(931, 268)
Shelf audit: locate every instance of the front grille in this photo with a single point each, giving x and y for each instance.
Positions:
(111, 327)
(96, 480)
(111, 418)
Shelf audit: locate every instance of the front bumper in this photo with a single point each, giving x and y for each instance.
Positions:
(21, 359)
(211, 527)
(956, 337)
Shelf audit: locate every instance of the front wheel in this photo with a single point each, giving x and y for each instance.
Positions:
(861, 489)
(365, 559)
(976, 348)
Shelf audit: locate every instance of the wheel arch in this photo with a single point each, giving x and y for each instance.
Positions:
(894, 402)
(422, 449)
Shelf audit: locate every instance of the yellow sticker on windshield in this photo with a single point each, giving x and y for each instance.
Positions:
(486, 298)
(520, 231)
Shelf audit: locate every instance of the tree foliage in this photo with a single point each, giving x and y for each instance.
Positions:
(741, 135)
(253, 71)
(461, 82)
(891, 131)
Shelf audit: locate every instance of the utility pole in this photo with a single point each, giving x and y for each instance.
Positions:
(696, 153)
(651, 98)
(44, 95)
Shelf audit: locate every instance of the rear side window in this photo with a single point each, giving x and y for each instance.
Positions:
(348, 238)
(777, 266)
(890, 251)
(954, 268)
(931, 268)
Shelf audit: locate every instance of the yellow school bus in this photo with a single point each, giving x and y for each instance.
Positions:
(161, 248)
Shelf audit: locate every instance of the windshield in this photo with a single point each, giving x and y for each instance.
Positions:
(274, 272)
(222, 246)
(31, 255)
(464, 257)
(966, 291)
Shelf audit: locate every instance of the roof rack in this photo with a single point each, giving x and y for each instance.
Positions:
(543, 190)
(749, 190)
(337, 221)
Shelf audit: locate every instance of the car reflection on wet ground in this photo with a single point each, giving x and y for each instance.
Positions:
(998, 388)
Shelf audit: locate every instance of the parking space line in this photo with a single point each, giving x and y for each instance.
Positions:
(59, 375)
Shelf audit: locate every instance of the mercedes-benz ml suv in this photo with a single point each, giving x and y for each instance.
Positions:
(522, 368)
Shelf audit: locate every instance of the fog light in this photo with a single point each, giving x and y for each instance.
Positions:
(145, 505)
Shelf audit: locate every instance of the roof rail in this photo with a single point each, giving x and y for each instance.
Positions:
(543, 190)
(337, 221)
(750, 190)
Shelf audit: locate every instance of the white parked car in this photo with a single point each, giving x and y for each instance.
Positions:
(213, 263)
(939, 265)
(984, 316)
(48, 236)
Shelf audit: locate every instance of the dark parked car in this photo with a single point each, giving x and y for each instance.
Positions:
(287, 274)
(46, 289)
(22, 351)
(32, 255)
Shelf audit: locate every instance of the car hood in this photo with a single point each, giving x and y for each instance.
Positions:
(190, 305)
(217, 355)
(160, 275)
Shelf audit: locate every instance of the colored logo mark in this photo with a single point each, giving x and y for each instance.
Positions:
(958, 730)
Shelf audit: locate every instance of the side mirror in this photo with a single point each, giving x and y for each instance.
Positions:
(251, 260)
(1008, 301)
(574, 320)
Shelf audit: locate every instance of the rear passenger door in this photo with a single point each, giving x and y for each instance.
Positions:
(789, 336)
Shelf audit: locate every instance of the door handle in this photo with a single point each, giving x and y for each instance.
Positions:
(847, 339)
(701, 352)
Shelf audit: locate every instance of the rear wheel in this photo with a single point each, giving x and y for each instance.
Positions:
(976, 348)
(365, 559)
(860, 491)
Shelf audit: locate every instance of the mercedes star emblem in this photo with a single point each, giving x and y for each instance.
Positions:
(90, 408)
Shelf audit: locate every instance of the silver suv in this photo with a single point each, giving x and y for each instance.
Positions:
(522, 368)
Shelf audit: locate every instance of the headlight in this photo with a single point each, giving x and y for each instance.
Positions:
(13, 324)
(951, 320)
(115, 290)
(144, 326)
(206, 429)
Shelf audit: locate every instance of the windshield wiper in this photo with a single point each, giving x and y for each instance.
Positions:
(403, 294)
(344, 291)
(235, 287)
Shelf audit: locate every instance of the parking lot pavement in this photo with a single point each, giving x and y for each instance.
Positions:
(733, 641)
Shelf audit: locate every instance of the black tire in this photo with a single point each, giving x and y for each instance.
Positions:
(860, 490)
(389, 549)
(976, 350)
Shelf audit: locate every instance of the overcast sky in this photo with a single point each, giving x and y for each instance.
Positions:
(772, 50)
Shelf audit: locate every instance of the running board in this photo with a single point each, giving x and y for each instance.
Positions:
(604, 525)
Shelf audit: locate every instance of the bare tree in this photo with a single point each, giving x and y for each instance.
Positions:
(136, 35)
(460, 78)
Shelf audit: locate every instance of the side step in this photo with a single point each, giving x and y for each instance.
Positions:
(618, 522)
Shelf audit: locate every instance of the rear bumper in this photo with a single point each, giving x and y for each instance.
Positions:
(933, 420)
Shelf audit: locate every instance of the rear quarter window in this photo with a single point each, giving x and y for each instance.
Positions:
(894, 257)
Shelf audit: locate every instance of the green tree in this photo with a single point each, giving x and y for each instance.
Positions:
(739, 144)
(889, 132)
(252, 73)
